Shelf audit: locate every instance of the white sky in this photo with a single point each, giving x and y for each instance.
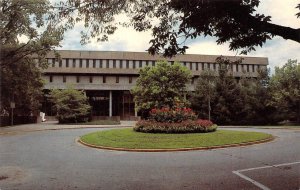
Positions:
(277, 50)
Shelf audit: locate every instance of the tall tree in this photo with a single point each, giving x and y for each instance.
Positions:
(205, 94)
(285, 89)
(20, 61)
(160, 86)
(174, 21)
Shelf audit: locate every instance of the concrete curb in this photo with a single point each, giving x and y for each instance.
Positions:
(54, 129)
(178, 149)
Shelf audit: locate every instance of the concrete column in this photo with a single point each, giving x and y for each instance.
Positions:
(110, 103)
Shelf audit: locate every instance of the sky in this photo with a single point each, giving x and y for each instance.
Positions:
(278, 50)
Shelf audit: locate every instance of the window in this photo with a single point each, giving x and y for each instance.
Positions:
(147, 63)
(134, 64)
(87, 63)
(247, 68)
(202, 64)
(153, 63)
(51, 78)
(191, 66)
(91, 79)
(140, 64)
(53, 62)
(107, 63)
(67, 62)
(74, 62)
(117, 79)
(121, 64)
(197, 66)
(64, 79)
(94, 63)
(214, 66)
(77, 79)
(184, 63)
(80, 63)
(237, 68)
(100, 63)
(60, 63)
(114, 63)
(130, 79)
(104, 79)
(208, 65)
(127, 64)
(253, 70)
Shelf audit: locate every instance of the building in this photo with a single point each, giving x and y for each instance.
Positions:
(107, 77)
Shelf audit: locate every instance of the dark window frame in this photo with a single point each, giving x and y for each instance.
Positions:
(104, 79)
(117, 79)
(74, 63)
(94, 63)
(80, 63)
(107, 63)
(114, 63)
(50, 78)
(67, 62)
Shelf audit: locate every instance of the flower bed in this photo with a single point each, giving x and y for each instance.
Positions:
(179, 120)
(188, 126)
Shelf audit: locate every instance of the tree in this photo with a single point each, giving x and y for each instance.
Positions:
(20, 62)
(71, 105)
(160, 86)
(285, 89)
(223, 92)
(204, 94)
(174, 21)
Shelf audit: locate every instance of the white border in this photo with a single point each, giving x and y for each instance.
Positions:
(238, 172)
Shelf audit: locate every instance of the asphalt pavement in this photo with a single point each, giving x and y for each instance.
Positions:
(52, 159)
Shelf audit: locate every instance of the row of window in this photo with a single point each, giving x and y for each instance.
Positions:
(99, 63)
(91, 79)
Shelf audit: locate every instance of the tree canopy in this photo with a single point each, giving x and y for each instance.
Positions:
(285, 90)
(160, 86)
(72, 105)
(173, 22)
(20, 72)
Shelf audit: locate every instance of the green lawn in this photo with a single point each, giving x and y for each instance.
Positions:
(97, 122)
(127, 138)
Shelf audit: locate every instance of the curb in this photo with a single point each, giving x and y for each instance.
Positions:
(179, 149)
(54, 129)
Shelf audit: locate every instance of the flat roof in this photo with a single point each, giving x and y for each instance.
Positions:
(124, 55)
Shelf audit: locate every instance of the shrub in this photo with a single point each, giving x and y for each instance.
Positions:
(175, 115)
(71, 105)
(187, 126)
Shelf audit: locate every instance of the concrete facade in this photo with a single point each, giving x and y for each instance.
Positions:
(113, 73)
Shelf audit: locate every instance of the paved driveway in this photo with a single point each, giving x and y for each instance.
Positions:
(53, 160)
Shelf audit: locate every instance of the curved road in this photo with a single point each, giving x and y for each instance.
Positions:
(53, 160)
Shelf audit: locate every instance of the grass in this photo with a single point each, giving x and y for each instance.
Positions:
(97, 122)
(127, 138)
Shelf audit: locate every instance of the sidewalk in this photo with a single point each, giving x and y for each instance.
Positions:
(53, 125)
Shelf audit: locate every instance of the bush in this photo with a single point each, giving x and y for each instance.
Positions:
(71, 105)
(175, 115)
(186, 126)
